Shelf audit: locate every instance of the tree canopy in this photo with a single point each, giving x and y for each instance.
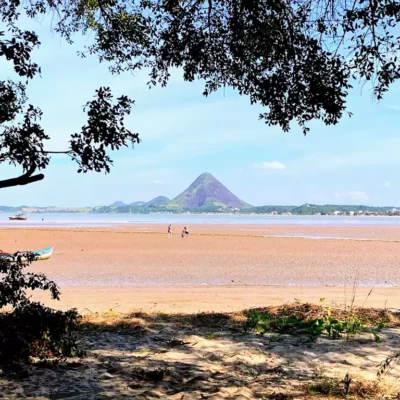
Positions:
(296, 58)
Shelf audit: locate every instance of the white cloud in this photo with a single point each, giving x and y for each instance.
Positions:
(386, 184)
(157, 182)
(356, 195)
(275, 165)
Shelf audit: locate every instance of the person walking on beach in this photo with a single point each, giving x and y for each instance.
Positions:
(169, 231)
(185, 231)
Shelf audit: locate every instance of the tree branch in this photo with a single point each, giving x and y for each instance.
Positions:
(66, 152)
(24, 179)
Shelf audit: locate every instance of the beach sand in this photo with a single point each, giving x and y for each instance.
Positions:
(209, 356)
(217, 268)
(154, 340)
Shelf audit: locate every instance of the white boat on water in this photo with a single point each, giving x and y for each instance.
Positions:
(18, 217)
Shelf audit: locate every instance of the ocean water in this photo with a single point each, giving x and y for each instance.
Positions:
(72, 220)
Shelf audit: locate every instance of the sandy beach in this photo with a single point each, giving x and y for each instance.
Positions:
(218, 268)
(164, 318)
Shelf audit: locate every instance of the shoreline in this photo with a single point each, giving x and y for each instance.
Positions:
(207, 213)
(225, 229)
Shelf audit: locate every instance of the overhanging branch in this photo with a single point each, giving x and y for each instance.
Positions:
(28, 176)
(24, 179)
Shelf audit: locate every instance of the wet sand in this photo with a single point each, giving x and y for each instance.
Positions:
(221, 268)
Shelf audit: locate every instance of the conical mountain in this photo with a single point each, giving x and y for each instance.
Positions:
(207, 192)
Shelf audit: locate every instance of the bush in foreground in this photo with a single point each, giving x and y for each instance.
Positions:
(29, 329)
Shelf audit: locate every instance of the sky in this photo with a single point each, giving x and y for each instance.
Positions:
(185, 134)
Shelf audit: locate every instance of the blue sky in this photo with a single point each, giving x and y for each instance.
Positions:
(184, 134)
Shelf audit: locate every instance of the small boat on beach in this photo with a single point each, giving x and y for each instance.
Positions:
(18, 217)
(42, 254)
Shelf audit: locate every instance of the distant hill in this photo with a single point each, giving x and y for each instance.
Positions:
(137, 203)
(117, 203)
(323, 209)
(9, 209)
(207, 192)
(158, 201)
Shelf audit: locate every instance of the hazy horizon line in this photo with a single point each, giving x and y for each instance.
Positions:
(252, 206)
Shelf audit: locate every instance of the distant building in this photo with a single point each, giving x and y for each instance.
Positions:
(394, 211)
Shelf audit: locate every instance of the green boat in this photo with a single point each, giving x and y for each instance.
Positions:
(43, 254)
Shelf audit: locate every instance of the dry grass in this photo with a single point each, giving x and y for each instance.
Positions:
(113, 319)
(359, 388)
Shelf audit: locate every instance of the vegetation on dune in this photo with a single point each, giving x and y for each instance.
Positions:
(326, 322)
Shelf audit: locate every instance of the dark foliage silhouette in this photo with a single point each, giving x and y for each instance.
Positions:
(296, 58)
(30, 329)
(23, 143)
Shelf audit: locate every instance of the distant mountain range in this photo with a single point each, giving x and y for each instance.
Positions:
(206, 193)
(119, 203)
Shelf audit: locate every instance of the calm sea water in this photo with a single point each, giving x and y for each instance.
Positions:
(36, 220)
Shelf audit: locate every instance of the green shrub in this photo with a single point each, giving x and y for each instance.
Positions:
(257, 322)
(30, 329)
(264, 322)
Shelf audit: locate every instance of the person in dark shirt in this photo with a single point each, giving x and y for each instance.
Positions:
(185, 231)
